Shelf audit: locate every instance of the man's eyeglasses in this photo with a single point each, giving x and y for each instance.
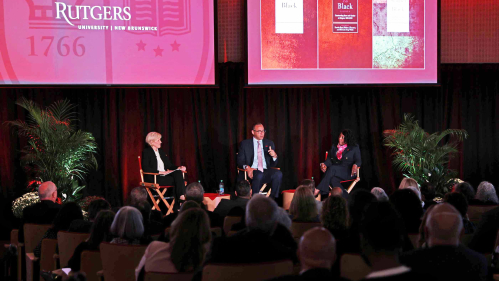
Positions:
(259, 131)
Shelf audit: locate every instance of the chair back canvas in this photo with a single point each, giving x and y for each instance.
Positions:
(33, 234)
(90, 264)
(245, 272)
(229, 221)
(298, 228)
(68, 241)
(119, 261)
(47, 262)
(353, 267)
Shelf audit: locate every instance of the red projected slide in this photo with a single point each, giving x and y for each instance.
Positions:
(342, 41)
(110, 42)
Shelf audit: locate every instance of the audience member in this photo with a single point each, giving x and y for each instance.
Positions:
(468, 191)
(138, 194)
(418, 194)
(407, 203)
(485, 234)
(186, 252)
(406, 182)
(188, 205)
(100, 232)
(317, 254)
(358, 200)
(284, 218)
(336, 191)
(380, 194)
(486, 194)
(43, 212)
(310, 184)
(335, 216)
(69, 211)
(127, 226)
(428, 194)
(445, 258)
(461, 204)
(303, 207)
(151, 227)
(195, 192)
(94, 208)
(382, 238)
(242, 196)
(262, 240)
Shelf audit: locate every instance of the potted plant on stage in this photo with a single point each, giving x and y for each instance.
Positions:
(56, 151)
(423, 156)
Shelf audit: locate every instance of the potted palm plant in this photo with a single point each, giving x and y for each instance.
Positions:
(423, 156)
(56, 151)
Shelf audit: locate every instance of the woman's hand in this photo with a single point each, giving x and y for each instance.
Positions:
(182, 168)
(323, 167)
(354, 170)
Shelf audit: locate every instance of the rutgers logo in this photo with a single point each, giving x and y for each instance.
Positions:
(70, 12)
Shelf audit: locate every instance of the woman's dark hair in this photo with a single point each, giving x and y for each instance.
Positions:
(428, 191)
(467, 190)
(459, 201)
(349, 137)
(335, 215)
(69, 212)
(96, 206)
(100, 231)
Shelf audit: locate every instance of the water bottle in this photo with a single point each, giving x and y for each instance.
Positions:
(221, 188)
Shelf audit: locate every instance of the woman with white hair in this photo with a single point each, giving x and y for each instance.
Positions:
(486, 194)
(127, 226)
(155, 160)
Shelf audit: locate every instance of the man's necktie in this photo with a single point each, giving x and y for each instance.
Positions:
(260, 158)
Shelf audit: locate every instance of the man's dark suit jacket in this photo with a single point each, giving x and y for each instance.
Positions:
(42, 212)
(447, 263)
(150, 163)
(246, 153)
(485, 235)
(225, 206)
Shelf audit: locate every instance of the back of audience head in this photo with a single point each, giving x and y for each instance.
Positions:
(380, 194)
(195, 192)
(335, 215)
(138, 194)
(407, 203)
(101, 228)
(444, 226)
(261, 214)
(317, 249)
(486, 193)
(284, 218)
(145, 209)
(310, 184)
(336, 191)
(47, 191)
(96, 206)
(127, 224)
(381, 229)
(243, 189)
(357, 201)
(466, 189)
(190, 239)
(428, 191)
(69, 212)
(303, 206)
(189, 205)
(459, 202)
(406, 182)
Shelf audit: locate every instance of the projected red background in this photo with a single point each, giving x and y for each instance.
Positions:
(156, 42)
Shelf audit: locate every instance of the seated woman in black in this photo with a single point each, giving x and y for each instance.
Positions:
(342, 163)
(154, 160)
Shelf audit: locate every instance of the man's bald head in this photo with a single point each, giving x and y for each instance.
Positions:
(444, 225)
(337, 191)
(317, 249)
(47, 191)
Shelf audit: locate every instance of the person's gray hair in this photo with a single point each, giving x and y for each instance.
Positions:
(152, 136)
(284, 218)
(138, 194)
(195, 192)
(128, 223)
(380, 194)
(261, 214)
(486, 192)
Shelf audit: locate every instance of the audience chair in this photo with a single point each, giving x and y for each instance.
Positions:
(158, 276)
(217, 231)
(47, 261)
(229, 221)
(90, 264)
(475, 212)
(13, 241)
(414, 237)
(154, 187)
(245, 272)
(353, 267)
(33, 234)
(298, 228)
(68, 241)
(119, 261)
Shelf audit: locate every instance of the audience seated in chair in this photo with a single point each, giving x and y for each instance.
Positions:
(151, 227)
(468, 191)
(100, 232)
(127, 227)
(428, 194)
(263, 239)
(190, 240)
(382, 238)
(303, 207)
(486, 194)
(43, 212)
(310, 184)
(335, 217)
(409, 206)
(461, 204)
(94, 208)
(70, 211)
(380, 194)
(357, 201)
(445, 258)
(486, 232)
(242, 196)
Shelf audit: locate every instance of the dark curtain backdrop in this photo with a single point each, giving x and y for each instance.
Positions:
(202, 128)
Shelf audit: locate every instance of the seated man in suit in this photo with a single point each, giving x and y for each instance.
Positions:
(42, 212)
(256, 156)
(243, 195)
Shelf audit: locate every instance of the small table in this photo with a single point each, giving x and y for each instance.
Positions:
(211, 200)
